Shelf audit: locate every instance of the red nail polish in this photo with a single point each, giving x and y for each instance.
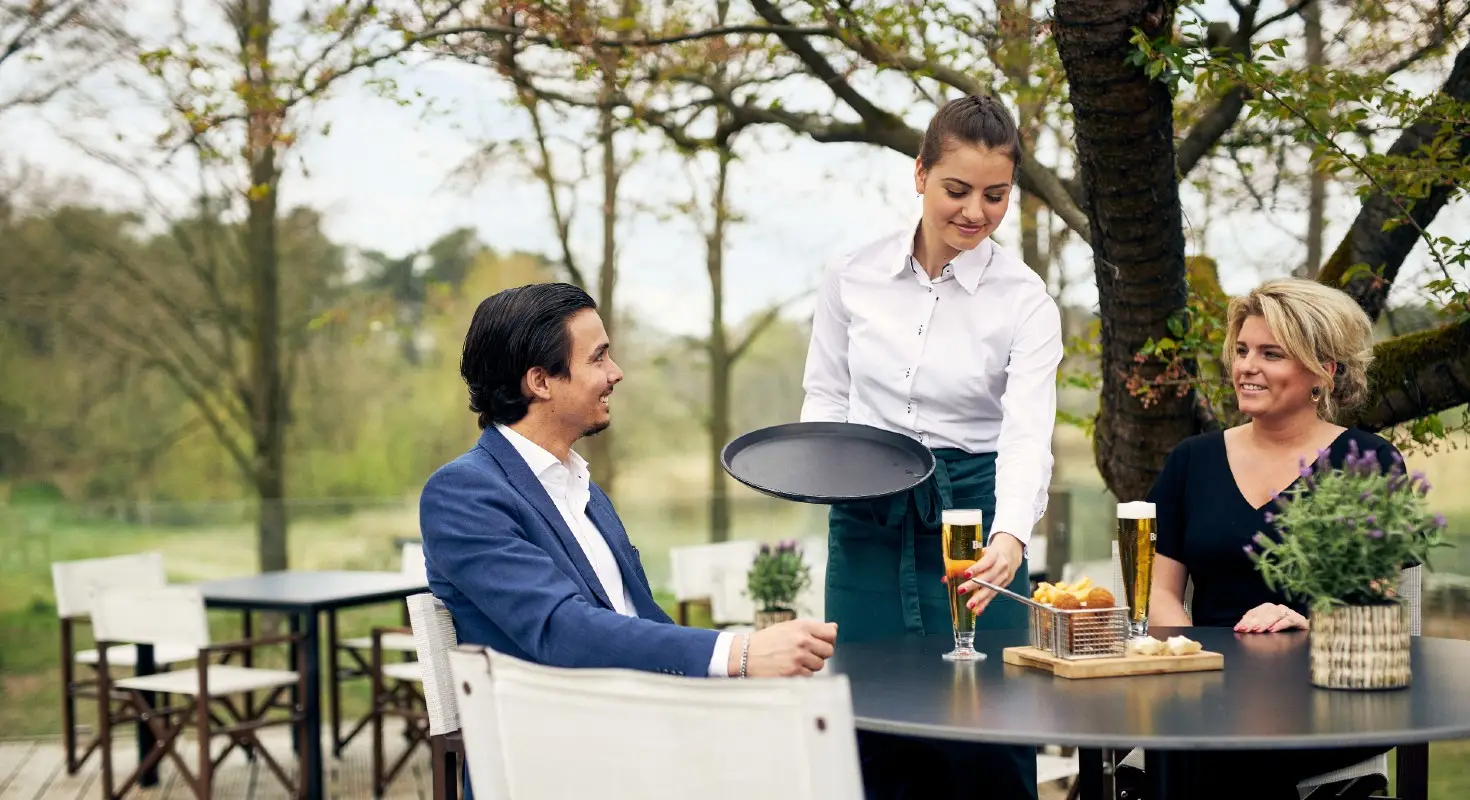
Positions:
(962, 590)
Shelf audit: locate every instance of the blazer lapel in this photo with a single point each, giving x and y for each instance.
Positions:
(600, 511)
(525, 482)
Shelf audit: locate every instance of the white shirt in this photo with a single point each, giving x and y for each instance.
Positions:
(967, 360)
(570, 487)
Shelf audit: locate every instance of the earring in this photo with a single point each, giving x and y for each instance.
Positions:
(1316, 394)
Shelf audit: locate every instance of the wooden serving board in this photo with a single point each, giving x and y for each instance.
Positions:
(1116, 666)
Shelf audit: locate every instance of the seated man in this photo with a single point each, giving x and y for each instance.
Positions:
(525, 551)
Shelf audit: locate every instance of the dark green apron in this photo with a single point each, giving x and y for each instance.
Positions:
(885, 564)
(884, 571)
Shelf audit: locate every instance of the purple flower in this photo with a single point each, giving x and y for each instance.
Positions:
(1305, 471)
(1371, 519)
(1439, 521)
(1270, 518)
(1259, 539)
(1375, 534)
(765, 549)
(1366, 496)
(1250, 551)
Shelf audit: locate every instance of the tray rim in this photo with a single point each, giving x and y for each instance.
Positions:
(853, 430)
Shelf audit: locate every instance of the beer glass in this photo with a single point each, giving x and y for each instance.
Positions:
(964, 543)
(1137, 536)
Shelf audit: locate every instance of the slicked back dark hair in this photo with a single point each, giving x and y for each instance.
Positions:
(976, 119)
(513, 331)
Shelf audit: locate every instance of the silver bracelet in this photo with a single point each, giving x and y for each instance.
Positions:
(744, 654)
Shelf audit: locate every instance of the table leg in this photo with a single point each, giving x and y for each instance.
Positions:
(1412, 762)
(1170, 775)
(312, 707)
(1090, 775)
(293, 653)
(146, 742)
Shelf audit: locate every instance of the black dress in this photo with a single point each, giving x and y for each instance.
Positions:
(1205, 524)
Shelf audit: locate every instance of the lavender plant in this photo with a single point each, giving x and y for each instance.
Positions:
(1344, 533)
(777, 576)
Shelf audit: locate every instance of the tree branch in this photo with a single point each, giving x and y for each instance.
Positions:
(1383, 251)
(1416, 375)
(761, 323)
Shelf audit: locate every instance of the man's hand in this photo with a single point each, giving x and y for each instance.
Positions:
(798, 647)
(998, 566)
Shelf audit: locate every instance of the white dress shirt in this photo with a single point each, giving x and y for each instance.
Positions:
(967, 360)
(570, 487)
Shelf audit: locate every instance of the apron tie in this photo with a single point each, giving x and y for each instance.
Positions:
(923, 505)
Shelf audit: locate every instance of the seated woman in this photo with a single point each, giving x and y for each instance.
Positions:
(1298, 354)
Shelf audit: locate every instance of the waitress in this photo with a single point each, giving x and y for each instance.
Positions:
(936, 332)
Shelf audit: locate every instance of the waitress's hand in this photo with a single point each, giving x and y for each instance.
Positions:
(998, 566)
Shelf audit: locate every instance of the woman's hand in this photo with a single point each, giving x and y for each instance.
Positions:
(998, 566)
(1270, 618)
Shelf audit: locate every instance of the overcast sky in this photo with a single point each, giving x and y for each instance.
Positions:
(385, 177)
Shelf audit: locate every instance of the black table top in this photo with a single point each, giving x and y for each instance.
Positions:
(306, 591)
(1263, 698)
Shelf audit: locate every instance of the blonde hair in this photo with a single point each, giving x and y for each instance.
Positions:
(1316, 325)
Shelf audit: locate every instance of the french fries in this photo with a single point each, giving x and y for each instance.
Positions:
(1047, 593)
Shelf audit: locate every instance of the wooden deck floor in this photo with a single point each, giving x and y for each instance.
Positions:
(36, 770)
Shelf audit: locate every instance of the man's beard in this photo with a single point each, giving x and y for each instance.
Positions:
(598, 428)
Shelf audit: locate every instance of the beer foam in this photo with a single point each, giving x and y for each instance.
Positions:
(1136, 510)
(964, 516)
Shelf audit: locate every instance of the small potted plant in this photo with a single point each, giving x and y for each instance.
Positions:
(775, 579)
(1343, 535)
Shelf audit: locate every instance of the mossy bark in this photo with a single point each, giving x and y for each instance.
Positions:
(1416, 375)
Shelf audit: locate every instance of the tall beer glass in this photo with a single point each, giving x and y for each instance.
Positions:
(964, 544)
(1137, 536)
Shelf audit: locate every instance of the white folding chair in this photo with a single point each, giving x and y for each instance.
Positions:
(647, 736)
(434, 635)
(361, 651)
(713, 574)
(74, 583)
(173, 616)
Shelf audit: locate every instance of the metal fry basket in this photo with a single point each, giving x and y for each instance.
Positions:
(1079, 633)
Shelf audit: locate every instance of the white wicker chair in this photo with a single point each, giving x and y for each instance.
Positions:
(434, 635)
(533, 731)
(74, 583)
(173, 616)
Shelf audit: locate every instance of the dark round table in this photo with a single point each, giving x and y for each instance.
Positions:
(1262, 699)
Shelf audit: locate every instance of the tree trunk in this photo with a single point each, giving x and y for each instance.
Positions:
(720, 362)
(1317, 182)
(267, 392)
(1385, 251)
(600, 447)
(1030, 208)
(1125, 149)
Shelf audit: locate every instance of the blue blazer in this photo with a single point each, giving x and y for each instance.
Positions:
(502, 560)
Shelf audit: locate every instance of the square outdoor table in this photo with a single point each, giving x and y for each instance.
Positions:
(303, 595)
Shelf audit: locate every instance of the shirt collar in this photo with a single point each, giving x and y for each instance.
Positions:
(538, 458)
(968, 267)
